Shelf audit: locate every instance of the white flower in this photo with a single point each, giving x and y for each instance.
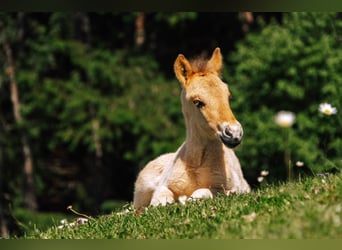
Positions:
(126, 211)
(327, 109)
(299, 164)
(285, 119)
(81, 220)
(64, 222)
(260, 179)
(264, 173)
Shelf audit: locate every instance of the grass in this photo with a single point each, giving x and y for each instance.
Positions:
(28, 221)
(311, 208)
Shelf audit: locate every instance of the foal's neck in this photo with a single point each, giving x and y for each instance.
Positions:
(200, 151)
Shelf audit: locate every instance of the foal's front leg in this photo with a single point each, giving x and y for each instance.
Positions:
(161, 196)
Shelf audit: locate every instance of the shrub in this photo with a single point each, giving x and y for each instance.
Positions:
(291, 66)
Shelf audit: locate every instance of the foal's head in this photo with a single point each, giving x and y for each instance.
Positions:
(205, 99)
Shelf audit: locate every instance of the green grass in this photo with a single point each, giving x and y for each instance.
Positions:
(311, 208)
(28, 221)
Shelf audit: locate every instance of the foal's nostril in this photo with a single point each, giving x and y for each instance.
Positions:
(233, 132)
(227, 133)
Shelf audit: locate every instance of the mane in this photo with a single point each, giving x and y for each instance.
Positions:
(199, 64)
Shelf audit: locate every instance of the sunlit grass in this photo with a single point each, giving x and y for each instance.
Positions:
(311, 208)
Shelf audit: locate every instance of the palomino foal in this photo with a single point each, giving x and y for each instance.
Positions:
(205, 163)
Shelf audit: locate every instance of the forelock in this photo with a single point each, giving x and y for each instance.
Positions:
(199, 64)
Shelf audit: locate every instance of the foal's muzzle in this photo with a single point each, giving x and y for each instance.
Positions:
(231, 134)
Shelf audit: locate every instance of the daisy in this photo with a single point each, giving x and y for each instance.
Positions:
(264, 173)
(299, 164)
(260, 179)
(327, 109)
(285, 119)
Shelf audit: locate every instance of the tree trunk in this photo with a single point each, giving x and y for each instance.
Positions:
(29, 192)
(95, 123)
(140, 29)
(3, 223)
(96, 170)
(247, 20)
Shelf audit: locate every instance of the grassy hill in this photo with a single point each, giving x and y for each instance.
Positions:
(311, 208)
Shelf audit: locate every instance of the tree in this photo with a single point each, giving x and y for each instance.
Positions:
(28, 169)
(98, 101)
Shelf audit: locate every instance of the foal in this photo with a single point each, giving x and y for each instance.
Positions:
(205, 163)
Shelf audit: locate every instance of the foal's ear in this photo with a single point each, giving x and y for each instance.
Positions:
(183, 69)
(215, 62)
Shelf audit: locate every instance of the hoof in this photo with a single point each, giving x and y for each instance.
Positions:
(202, 193)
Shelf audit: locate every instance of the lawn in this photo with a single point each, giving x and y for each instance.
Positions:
(306, 209)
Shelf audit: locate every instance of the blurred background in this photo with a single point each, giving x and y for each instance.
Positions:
(87, 99)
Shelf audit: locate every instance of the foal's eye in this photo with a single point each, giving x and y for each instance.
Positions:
(199, 104)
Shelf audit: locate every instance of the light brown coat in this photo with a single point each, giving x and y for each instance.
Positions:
(205, 163)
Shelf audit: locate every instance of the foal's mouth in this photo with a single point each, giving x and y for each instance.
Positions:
(230, 142)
